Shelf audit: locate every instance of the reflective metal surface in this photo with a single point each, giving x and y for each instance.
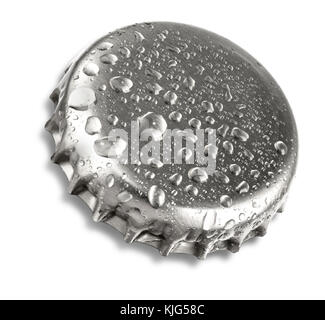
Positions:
(167, 76)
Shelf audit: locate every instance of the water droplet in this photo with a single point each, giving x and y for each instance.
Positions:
(239, 134)
(223, 130)
(109, 59)
(105, 46)
(185, 154)
(152, 125)
(242, 217)
(198, 175)
(222, 177)
(281, 147)
(153, 73)
(91, 69)
(195, 123)
(155, 163)
(81, 98)
(124, 196)
(191, 190)
(112, 119)
(135, 98)
(248, 154)
(189, 82)
(149, 175)
(211, 150)
(228, 146)
(255, 174)
(110, 149)
(102, 87)
(154, 88)
(235, 169)
(170, 97)
(210, 120)
(121, 84)
(226, 201)
(207, 106)
(228, 95)
(110, 180)
(243, 187)
(93, 125)
(156, 196)
(176, 179)
(230, 224)
(138, 36)
(125, 52)
(175, 116)
(219, 106)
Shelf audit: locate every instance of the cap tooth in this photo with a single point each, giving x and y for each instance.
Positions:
(99, 214)
(261, 230)
(78, 183)
(55, 95)
(281, 209)
(233, 245)
(131, 234)
(52, 124)
(167, 247)
(203, 251)
(63, 152)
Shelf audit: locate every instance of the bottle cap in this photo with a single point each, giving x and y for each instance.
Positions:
(176, 137)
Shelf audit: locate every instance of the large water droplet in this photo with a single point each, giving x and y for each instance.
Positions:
(228, 147)
(110, 149)
(121, 84)
(189, 82)
(156, 196)
(124, 196)
(112, 119)
(110, 180)
(198, 175)
(176, 179)
(105, 46)
(243, 187)
(235, 169)
(175, 116)
(152, 125)
(222, 131)
(239, 134)
(93, 125)
(109, 59)
(281, 147)
(154, 88)
(211, 150)
(207, 106)
(222, 177)
(192, 190)
(195, 123)
(170, 97)
(81, 98)
(91, 69)
(226, 201)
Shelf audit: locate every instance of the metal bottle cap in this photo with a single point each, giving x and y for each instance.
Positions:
(176, 137)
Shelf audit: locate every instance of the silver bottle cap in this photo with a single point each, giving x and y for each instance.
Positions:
(176, 137)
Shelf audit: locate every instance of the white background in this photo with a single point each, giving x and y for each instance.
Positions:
(49, 246)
